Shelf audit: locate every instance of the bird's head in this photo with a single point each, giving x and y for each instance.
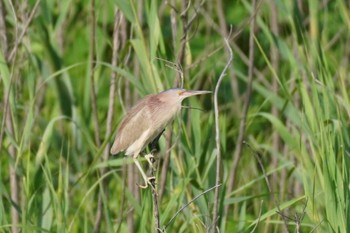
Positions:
(178, 94)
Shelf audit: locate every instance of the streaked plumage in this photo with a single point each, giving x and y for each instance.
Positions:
(147, 119)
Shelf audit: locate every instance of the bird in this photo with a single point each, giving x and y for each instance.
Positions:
(146, 121)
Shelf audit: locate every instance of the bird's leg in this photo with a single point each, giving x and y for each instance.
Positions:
(144, 176)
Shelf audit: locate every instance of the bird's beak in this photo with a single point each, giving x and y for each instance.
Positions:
(188, 93)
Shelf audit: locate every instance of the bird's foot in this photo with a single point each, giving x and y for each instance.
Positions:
(149, 181)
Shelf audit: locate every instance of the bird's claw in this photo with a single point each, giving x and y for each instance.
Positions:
(149, 181)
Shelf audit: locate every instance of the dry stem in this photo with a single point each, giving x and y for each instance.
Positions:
(25, 28)
(242, 126)
(157, 228)
(112, 91)
(217, 132)
(92, 70)
(8, 120)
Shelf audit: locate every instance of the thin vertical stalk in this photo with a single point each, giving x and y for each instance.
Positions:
(217, 139)
(242, 125)
(7, 123)
(132, 179)
(92, 63)
(112, 93)
(24, 31)
(180, 59)
(173, 22)
(4, 48)
(184, 16)
(9, 57)
(274, 55)
(224, 32)
(155, 199)
(14, 185)
(94, 104)
(3, 30)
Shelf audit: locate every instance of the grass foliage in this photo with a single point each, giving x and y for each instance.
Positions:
(293, 173)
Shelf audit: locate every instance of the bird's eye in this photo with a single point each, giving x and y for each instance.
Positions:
(180, 92)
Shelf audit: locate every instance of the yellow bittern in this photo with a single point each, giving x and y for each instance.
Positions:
(146, 121)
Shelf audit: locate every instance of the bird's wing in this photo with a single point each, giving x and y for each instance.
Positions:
(134, 124)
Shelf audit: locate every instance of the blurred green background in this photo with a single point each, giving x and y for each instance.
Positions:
(70, 70)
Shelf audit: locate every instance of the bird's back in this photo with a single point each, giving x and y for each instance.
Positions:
(133, 124)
